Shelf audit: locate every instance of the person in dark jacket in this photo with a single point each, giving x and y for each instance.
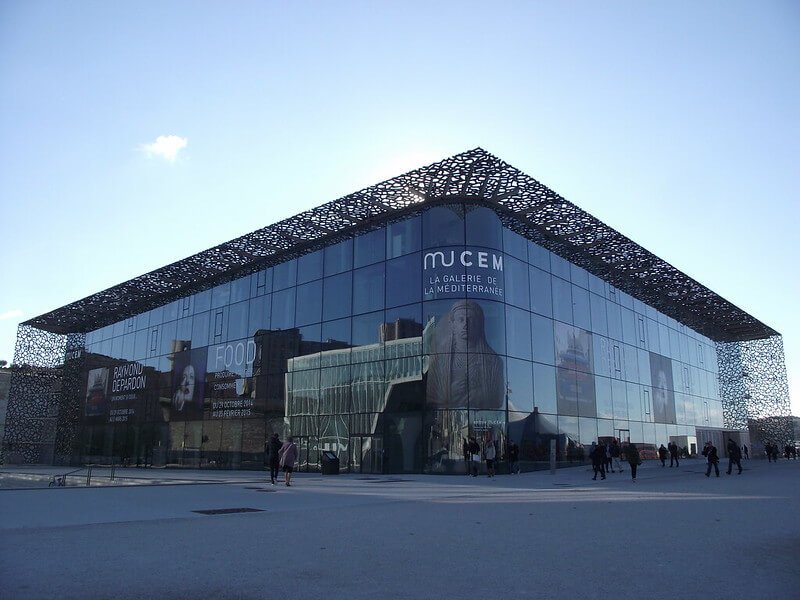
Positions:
(746, 452)
(710, 452)
(734, 456)
(475, 455)
(673, 453)
(662, 455)
(273, 458)
(598, 456)
(633, 458)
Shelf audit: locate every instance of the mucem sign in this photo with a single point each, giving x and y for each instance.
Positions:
(462, 303)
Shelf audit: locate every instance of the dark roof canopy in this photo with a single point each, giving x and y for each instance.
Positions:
(524, 204)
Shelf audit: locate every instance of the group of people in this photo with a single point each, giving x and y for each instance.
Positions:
(473, 456)
(281, 456)
(607, 456)
(771, 450)
(734, 457)
(672, 450)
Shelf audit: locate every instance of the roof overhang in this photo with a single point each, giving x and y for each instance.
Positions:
(524, 204)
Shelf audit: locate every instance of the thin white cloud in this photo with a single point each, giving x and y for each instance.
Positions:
(166, 147)
(11, 314)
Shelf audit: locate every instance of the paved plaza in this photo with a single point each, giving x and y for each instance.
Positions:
(674, 534)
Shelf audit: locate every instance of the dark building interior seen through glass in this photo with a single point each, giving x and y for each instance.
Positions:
(391, 349)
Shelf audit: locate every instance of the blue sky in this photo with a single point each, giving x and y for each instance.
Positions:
(675, 123)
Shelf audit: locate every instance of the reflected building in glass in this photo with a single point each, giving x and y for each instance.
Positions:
(461, 301)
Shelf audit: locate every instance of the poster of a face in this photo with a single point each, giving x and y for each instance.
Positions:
(463, 368)
(96, 390)
(663, 392)
(575, 368)
(188, 383)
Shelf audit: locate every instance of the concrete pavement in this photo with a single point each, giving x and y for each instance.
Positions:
(671, 534)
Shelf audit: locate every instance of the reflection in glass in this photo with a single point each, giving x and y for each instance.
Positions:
(337, 291)
(403, 237)
(483, 228)
(369, 248)
(309, 267)
(443, 226)
(520, 385)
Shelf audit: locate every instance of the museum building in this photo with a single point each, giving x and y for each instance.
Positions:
(460, 300)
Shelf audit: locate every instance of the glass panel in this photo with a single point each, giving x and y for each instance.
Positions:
(443, 226)
(518, 333)
(336, 334)
(483, 227)
(284, 275)
(519, 387)
(201, 302)
(403, 237)
(339, 258)
(543, 343)
(259, 314)
(538, 256)
(579, 276)
(541, 293)
(559, 267)
(367, 337)
(283, 306)
(309, 267)
(337, 292)
(368, 288)
(368, 387)
(544, 386)
(516, 283)
(369, 248)
(240, 289)
(221, 295)
(515, 245)
(404, 322)
(562, 300)
(404, 280)
(580, 308)
(309, 303)
(237, 321)
(200, 329)
(599, 317)
(605, 406)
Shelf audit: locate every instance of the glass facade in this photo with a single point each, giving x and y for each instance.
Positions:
(392, 349)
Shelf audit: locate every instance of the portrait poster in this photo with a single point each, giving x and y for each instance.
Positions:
(97, 392)
(188, 384)
(663, 388)
(463, 368)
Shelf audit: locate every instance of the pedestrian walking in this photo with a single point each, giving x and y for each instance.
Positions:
(288, 458)
(710, 452)
(609, 459)
(734, 456)
(598, 455)
(662, 455)
(673, 453)
(746, 452)
(634, 459)
(475, 456)
(273, 456)
(491, 454)
(467, 457)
